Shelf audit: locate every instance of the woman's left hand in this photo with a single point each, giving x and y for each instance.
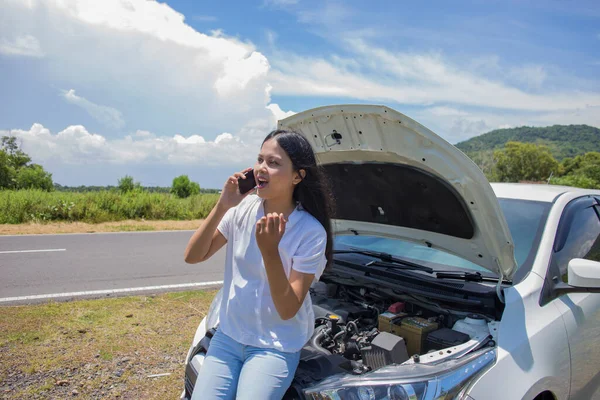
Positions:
(269, 231)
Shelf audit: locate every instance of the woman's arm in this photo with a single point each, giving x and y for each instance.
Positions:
(207, 240)
(287, 294)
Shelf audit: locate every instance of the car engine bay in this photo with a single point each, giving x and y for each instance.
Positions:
(364, 323)
(358, 330)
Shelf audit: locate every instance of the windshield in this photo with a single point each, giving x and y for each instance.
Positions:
(526, 220)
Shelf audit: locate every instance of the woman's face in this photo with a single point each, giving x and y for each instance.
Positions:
(274, 172)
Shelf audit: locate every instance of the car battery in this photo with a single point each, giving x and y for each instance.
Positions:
(386, 320)
(414, 330)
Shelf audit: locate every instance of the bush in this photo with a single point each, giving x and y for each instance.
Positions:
(126, 184)
(34, 177)
(581, 181)
(183, 187)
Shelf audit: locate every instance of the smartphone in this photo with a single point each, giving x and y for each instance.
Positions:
(246, 185)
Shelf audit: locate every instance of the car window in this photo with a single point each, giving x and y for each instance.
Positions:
(526, 220)
(582, 239)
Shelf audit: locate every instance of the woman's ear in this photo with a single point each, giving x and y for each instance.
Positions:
(300, 175)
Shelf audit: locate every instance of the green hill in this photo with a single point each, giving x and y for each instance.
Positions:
(563, 140)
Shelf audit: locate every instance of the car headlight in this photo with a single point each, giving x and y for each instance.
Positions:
(448, 380)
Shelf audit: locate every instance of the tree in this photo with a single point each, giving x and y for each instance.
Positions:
(17, 171)
(581, 171)
(182, 187)
(34, 177)
(7, 173)
(590, 166)
(485, 161)
(524, 162)
(17, 158)
(126, 184)
(587, 164)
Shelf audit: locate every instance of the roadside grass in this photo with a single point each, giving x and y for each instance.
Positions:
(22, 206)
(101, 349)
(82, 227)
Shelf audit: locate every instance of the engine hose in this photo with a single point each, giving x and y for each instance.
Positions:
(376, 313)
(361, 303)
(337, 335)
(353, 324)
(316, 342)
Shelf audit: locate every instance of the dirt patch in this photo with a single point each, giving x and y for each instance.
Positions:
(99, 349)
(82, 227)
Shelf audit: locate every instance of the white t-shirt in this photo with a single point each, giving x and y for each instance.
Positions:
(248, 313)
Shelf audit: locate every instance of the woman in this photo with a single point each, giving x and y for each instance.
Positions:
(278, 241)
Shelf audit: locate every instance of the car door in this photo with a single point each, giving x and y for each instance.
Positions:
(578, 236)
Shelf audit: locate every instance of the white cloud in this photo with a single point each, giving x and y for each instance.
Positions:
(326, 14)
(463, 127)
(107, 115)
(483, 63)
(271, 37)
(76, 145)
(413, 78)
(532, 76)
(142, 133)
(447, 111)
(143, 59)
(24, 45)
(278, 112)
(235, 77)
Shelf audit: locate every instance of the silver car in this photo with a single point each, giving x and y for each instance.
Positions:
(443, 286)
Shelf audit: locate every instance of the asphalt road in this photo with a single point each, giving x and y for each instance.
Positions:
(103, 263)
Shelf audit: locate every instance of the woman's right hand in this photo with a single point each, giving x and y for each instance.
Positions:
(230, 195)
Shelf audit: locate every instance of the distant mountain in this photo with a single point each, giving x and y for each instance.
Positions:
(563, 140)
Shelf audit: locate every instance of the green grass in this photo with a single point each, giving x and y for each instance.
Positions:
(22, 206)
(106, 354)
(49, 350)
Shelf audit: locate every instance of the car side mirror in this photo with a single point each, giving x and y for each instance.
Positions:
(584, 277)
(584, 273)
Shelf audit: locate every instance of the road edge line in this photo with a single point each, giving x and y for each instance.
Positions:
(109, 291)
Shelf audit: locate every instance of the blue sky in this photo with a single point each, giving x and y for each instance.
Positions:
(96, 90)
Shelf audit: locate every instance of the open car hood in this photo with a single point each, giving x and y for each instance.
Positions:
(393, 177)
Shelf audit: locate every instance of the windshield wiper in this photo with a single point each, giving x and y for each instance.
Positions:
(468, 276)
(465, 276)
(387, 260)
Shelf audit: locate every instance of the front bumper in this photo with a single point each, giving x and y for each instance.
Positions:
(194, 364)
(191, 373)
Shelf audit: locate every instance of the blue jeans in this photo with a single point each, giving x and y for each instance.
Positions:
(233, 370)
